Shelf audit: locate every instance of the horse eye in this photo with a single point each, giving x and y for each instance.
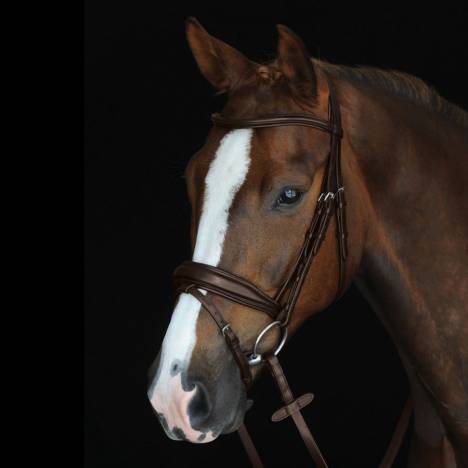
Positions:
(289, 197)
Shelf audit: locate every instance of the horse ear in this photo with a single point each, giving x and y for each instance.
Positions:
(222, 65)
(295, 62)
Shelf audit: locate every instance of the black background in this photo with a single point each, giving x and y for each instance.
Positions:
(146, 112)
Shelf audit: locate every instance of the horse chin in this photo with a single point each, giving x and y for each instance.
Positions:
(238, 417)
(234, 426)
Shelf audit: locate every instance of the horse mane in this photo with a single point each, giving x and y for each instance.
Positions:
(400, 84)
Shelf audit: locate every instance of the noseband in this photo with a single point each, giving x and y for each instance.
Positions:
(193, 277)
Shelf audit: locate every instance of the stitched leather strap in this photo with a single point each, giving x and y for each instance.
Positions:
(398, 434)
(249, 447)
(277, 120)
(224, 284)
(293, 409)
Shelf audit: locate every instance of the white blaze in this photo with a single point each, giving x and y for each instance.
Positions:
(226, 174)
(225, 177)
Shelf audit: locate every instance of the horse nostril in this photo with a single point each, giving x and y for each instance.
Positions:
(200, 406)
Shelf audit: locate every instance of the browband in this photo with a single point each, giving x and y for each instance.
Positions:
(277, 120)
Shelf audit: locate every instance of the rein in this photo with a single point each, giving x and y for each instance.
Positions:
(193, 277)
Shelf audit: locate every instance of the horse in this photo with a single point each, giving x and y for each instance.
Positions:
(404, 163)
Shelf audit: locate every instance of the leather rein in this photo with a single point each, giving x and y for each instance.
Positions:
(192, 278)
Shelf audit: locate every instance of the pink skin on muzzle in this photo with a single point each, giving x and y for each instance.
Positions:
(172, 402)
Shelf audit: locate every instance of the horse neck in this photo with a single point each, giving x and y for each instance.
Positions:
(407, 171)
(412, 170)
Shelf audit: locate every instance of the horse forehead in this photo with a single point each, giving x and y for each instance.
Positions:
(270, 148)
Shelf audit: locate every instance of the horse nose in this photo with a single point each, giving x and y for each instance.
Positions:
(184, 413)
(200, 406)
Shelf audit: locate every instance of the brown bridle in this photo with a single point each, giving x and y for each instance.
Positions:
(192, 277)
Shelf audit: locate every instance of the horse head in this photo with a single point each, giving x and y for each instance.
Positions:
(253, 193)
